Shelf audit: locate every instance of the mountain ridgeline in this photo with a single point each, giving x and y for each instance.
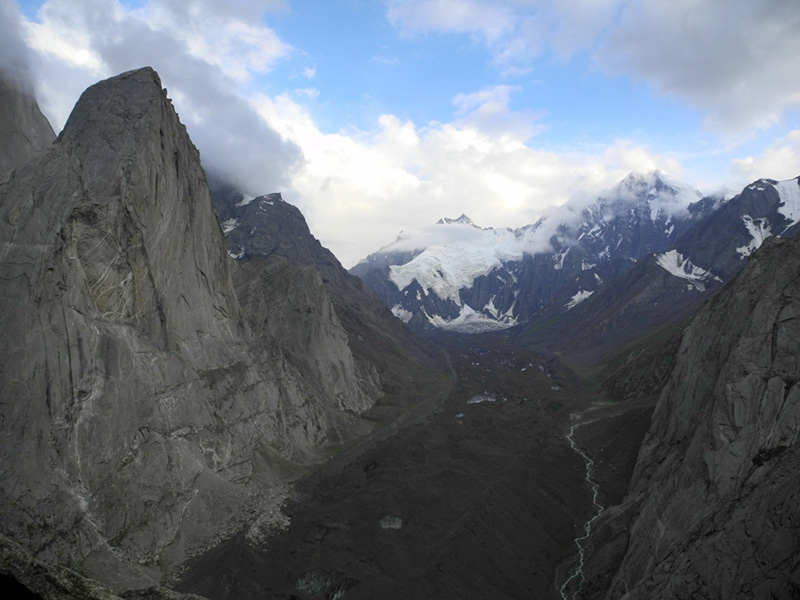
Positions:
(644, 254)
(194, 393)
(473, 279)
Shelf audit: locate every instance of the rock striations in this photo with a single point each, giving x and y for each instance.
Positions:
(144, 407)
(712, 510)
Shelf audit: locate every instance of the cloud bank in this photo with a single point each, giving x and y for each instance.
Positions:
(204, 52)
(358, 188)
(15, 57)
(736, 61)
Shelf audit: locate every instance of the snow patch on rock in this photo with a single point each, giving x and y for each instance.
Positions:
(759, 230)
(245, 200)
(578, 298)
(401, 313)
(674, 262)
(789, 192)
(229, 225)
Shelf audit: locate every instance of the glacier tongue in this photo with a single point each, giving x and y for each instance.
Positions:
(471, 321)
(446, 269)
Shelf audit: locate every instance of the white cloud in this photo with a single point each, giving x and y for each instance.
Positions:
(204, 51)
(14, 54)
(780, 161)
(736, 61)
(356, 188)
(309, 72)
(359, 190)
(491, 20)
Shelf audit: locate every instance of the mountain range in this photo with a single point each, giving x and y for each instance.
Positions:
(457, 276)
(197, 400)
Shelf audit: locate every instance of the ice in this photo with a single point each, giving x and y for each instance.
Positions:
(759, 229)
(245, 200)
(578, 298)
(789, 192)
(470, 321)
(674, 263)
(229, 225)
(401, 313)
(446, 269)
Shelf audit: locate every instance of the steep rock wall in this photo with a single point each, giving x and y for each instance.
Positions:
(712, 511)
(138, 413)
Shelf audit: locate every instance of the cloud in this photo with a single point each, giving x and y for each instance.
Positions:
(489, 20)
(14, 54)
(359, 189)
(780, 161)
(205, 52)
(735, 61)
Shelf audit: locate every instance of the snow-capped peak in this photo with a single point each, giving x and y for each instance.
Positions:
(665, 196)
(462, 220)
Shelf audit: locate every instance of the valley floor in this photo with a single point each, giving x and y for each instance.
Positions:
(483, 500)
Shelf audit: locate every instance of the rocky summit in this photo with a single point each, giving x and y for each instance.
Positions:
(197, 400)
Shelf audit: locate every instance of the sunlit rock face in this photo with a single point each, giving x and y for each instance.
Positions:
(141, 407)
(712, 510)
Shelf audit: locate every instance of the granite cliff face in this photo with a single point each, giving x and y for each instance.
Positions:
(144, 410)
(712, 510)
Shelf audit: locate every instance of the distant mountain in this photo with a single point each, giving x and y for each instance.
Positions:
(461, 277)
(667, 286)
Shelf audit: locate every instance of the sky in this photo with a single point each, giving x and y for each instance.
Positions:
(376, 116)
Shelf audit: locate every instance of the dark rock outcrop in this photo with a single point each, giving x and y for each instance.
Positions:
(26, 578)
(712, 510)
(274, 249)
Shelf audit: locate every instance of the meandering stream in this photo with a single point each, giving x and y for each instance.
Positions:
(577, 574)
